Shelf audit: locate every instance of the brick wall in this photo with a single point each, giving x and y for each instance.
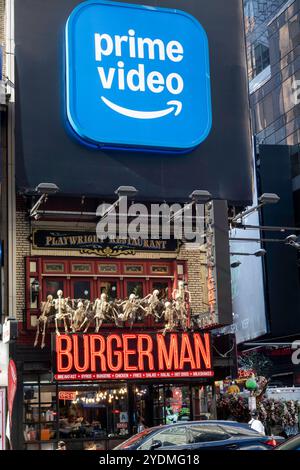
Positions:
(197, 277)
(2, 29)
(22, 250)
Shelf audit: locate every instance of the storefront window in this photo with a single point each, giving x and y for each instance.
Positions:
(163, 288)
(135, 287)
(93, 412)
(100, 415)
(39, 422)
(81, 289)
(110, 289)
(52, 286)
(86, 416)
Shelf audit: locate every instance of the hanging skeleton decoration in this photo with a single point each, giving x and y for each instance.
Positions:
(154, 306)
(182, 299)
(46, 308)
(63, 311)
(102, 310)
(169, 313)
(79, 315)
(88, 315)
(129, 310)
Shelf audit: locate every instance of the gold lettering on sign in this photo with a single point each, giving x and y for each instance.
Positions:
(54, 267)
(132, 268)
(160, 269)
(107, 268)
(81, 268)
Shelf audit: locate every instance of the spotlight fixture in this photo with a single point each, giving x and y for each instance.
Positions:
(292, 240)
(44, 190)
(235, 264)
(200, 196)
(264, 199)
(126, 191)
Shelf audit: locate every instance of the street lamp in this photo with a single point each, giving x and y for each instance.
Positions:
(264, 199)
(258, 253)
(44, 189)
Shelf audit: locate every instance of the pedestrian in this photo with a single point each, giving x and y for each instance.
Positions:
(61, 446)
(141, 425)
(256, 424)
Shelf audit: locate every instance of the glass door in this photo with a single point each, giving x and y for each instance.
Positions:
(171, 404)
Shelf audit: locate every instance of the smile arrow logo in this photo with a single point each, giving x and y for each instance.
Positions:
(174, 106)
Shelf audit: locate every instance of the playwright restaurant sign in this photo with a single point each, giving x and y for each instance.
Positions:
(140, 71)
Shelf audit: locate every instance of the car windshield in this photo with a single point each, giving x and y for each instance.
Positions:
(135, 439)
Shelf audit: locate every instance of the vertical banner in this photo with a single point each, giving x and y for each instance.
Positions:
(12, 387)
(2, 418)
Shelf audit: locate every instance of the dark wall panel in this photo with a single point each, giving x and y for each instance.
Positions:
(283, 289)
(46, 152)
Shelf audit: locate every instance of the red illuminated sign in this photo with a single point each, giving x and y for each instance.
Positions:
(132, 356)
(67, 395)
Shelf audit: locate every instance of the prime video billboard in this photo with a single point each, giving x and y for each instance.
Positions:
(137, 61)
(144, 93)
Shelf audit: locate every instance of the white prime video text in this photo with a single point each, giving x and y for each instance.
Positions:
(136, 79)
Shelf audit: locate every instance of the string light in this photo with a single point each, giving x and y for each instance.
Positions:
(107, 395)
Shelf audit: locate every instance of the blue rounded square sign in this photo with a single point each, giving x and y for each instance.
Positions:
(137, 77)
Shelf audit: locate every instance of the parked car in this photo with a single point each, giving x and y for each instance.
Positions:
(200, 435)
(290, 444)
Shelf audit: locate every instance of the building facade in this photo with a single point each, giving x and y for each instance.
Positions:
(272, 35)
(99, 413)
(57, 272)
(273, 39)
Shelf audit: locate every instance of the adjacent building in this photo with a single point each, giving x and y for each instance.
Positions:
(273, 55)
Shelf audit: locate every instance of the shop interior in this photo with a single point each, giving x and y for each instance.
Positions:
(95, 416)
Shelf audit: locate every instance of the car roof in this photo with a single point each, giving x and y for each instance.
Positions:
(205, 422)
